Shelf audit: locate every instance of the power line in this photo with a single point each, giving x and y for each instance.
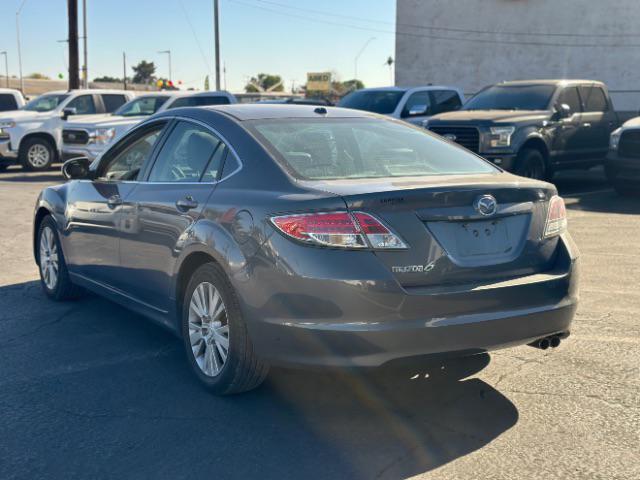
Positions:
(452, 29)
(195, 37)
(436, 37)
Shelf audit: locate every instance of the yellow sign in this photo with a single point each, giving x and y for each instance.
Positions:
(319, 82)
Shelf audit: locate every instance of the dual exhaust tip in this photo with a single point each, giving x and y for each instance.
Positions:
(552, 341)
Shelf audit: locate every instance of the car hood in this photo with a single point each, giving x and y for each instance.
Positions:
(632, 123)
(24, 115)
(490, 116)
(103, 121)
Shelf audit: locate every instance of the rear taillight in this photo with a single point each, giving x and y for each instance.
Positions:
(556, 217)
(338, 229)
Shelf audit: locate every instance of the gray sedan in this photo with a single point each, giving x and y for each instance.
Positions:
(268, 234)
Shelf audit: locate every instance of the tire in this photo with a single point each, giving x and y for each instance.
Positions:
(531, 164)
(221, 370)
(36, 154)
(54, 276)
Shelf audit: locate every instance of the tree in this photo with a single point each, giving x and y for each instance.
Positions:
(107, 79)
(38, 76)
(350, 85)
(264, 82)
(144, 72)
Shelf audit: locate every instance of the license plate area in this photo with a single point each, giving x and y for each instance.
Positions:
(483, 238)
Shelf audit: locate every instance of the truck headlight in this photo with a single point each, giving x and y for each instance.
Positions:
(4, 135)
(501, 136)
(102, 136)
(614, 139)
(7, 125)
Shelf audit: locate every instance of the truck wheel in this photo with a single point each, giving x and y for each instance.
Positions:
(531, 164)
(36, 154)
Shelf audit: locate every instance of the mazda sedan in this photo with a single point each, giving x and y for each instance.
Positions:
(268, 234)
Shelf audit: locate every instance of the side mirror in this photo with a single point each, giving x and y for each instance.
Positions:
(416, 111)
(563, 111)
(76, 168)
(67, 112)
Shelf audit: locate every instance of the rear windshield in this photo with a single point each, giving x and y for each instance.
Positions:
(512, 97)
(379, 101)
(326, 149)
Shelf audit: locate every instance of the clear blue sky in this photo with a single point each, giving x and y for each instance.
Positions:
(285, 37)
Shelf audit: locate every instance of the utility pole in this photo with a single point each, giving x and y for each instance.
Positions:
(124, 69)
(6, 66)
(85, 68)
(19, 49)
(217, 41)
(74, 80)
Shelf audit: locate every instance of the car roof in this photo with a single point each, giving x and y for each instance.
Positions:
(564, 81)
(184, 93)
(88, 90)
(406, 89)
(258, 111)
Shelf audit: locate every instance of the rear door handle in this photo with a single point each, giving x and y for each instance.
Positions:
(114, 201)
(586, 125)
(186, 204)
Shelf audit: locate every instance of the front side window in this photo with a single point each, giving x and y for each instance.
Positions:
(327, 149)
(512, 97)
(83, 104)
(200, 101)
(185, 155)
(126, 164)
(417, 104)
(45, 103)
(113, 101)
(569, 96)
(147, 105)
(376, 101)
(594, 99)
(445, 101)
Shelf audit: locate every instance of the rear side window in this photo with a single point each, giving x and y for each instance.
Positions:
(83, 104)
(594, 99)
(444, 101)
(7, 102)
(112, 102)
(185, 155)
(324, 149)
(200, 101)
(569, 96)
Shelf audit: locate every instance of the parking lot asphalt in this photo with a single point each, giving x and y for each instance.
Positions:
(91, 390)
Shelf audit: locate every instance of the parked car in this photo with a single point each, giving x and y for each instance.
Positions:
(310, 235)
(10, 99)
(298, 101)
(534, 127)
(89, 138)
(414, 105)
(32, 136)
(623, 162)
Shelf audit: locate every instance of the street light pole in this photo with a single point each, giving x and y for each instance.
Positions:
(6, 66)
(355, 62)
(168, 52)
(216, 25)
(85, 68)
(19, 49)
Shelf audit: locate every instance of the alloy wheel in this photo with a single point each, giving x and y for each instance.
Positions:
(49, 264)
(38, 155)
(208, 329)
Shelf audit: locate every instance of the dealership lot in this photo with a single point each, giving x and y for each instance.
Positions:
(90, 390)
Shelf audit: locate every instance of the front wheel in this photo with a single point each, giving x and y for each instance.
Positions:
(215, 336)
(54, 276)
(531, 164)
(36, 154)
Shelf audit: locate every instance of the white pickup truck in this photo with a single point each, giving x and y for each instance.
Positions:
(32, 135)
(90, 137)
(10, 99)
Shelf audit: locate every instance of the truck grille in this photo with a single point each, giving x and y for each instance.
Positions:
(629, 145)
(75, 137)
(468, 137)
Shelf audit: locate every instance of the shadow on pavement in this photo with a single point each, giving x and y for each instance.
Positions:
(88, 390)
(20, 176)
(606, 202)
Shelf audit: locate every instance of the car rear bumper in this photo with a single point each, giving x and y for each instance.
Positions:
(369, 323)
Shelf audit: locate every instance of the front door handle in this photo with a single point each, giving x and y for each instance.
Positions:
(186, 204)
(114, 201)
(586, 125)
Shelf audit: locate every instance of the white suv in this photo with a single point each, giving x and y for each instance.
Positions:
(32, 136)
(89, 138)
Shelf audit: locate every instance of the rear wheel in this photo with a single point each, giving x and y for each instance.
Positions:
(215, 336)
(54, 276)
(531, 164)
(36, 154)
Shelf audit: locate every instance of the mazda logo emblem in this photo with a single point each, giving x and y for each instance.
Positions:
(486, 205)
